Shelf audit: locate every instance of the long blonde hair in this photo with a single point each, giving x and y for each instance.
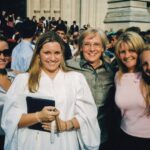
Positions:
(145, 88)
(134, 42)
(35, 66)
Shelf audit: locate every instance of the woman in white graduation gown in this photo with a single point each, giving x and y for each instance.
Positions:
(75, 112)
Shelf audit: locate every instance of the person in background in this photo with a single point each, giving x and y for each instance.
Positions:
(134, 106)
(34, 19)
(145, 62)
(100, 77)
(74, 28)
(67, 26)
(23, 51)
(133, 29)
(6, 74)
(6, 78)
(147, 37)
(61, 31)
(74, 47)
(53, 24)
(60, 22)
(75, 108)
(3, 21)
(18, 20)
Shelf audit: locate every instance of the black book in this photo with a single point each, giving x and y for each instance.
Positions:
(35, 104)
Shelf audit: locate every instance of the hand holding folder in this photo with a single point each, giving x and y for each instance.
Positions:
(35, 104)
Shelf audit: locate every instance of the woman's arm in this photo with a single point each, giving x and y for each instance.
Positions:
(62, 126)
(45, 115)
(5, 83)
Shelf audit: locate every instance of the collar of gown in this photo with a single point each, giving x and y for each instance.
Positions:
(58, 74)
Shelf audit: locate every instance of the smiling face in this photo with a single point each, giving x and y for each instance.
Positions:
(92, 49)
(128, 57)
(4, 57)
(145, 60)
(51, 57)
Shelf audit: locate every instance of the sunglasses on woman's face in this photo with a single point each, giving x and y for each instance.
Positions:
(6, 52)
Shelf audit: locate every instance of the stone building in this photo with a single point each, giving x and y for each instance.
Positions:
(126, 13)
(83, 11)
(107, 14)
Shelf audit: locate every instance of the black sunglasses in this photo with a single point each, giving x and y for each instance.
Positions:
(6, 52)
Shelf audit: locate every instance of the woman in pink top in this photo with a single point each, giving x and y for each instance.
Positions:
(135, 123)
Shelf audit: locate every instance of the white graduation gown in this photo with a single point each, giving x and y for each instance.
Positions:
(72, 97)
(3, 97)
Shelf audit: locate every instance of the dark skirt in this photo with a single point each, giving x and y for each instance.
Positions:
(126, 142)
(2, 137)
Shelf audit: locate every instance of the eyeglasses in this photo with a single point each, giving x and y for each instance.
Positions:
(6, 52)
(95, 45)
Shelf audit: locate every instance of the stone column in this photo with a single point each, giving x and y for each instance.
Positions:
(75, 9)
(125, 14)
(45, 8)
(34, 8)
(70, 10)
(66, 10)
(84, 12)
(77, 12)
(55, 8)
(92, 13)
(29, 13)
(100, 10)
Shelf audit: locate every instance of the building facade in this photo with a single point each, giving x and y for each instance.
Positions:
(83, 11)
(106, 14)
(127, 13)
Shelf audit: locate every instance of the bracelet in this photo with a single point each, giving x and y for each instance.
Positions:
(74, 123)
(65, 126)
(37, 117)
(69, 125)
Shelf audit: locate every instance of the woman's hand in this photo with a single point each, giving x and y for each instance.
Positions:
(60, 125)
(67, 125)
(47, 114)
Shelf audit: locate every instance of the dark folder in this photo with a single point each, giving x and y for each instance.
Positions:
(35, 104)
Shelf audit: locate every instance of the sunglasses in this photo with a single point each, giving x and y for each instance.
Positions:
(6, 52)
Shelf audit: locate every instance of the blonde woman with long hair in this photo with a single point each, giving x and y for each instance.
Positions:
(135, 129)
(75, 112)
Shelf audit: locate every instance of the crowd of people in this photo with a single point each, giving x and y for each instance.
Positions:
(99, 82)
